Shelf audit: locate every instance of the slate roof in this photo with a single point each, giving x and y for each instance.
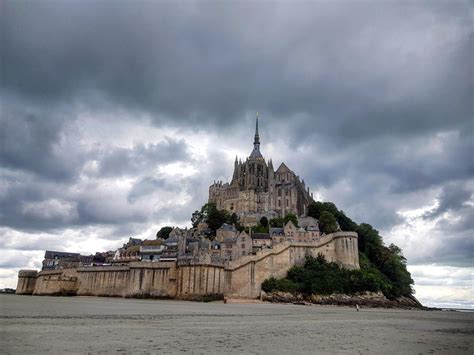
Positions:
(261, 236)
(49, 254)
(255, 154)
(276, 231)
(228, 227)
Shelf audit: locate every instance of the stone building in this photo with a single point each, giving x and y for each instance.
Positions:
(226, 231)
(261, 241)
(258, 190)
(56, 260)
(233, 248)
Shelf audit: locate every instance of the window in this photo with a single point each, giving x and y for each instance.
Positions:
(242, 246)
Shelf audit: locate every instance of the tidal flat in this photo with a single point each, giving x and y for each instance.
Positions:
(82, 325)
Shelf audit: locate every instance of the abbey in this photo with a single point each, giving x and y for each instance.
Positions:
(258, 190)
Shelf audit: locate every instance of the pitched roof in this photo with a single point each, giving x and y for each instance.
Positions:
(283, 169)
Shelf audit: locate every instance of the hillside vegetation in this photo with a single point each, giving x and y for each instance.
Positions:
(382, 268)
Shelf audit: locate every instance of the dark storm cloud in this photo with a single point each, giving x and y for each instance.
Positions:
(30, 141)
(213, 63)
(373, 101)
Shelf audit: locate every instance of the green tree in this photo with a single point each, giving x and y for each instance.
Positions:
(290, 217)
(196, 218)
(316, 208)
(234, 219)
(264, 222)
(216, 218)
(276, 222)
(280, 222)
(164, 232)
(212, 216)
(327, 222)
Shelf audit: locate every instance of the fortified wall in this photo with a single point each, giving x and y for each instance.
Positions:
(237, 279)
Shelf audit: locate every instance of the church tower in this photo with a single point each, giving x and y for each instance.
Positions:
(256, 189)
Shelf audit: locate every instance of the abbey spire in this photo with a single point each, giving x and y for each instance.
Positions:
(256, 143)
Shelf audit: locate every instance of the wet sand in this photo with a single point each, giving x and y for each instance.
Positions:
(31, 324)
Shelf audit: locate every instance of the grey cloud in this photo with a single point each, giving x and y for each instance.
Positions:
(119, 161)
(453, 197)
(148, 185)
(30, 140)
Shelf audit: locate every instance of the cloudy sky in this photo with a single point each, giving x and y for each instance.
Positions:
(117, 116)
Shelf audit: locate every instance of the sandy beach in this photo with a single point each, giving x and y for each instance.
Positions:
(112, 325)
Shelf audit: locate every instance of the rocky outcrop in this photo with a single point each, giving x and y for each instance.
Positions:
(367, 299)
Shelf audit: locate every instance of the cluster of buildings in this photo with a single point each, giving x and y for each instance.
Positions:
(183, 245)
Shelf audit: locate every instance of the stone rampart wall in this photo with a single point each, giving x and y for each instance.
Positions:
(139, 279)
(196, 281)
(244, 277)
(57, 282)
(241, 278)
(26, 282)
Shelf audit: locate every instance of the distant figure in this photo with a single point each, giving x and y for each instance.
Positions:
(357, 307)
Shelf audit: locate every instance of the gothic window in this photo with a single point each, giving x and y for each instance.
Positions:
(242, 246)
(279, 203)
(279, 192)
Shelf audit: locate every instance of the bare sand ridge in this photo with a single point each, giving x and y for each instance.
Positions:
(33, 324)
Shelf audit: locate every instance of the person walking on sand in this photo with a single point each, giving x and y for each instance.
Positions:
(357, 307)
